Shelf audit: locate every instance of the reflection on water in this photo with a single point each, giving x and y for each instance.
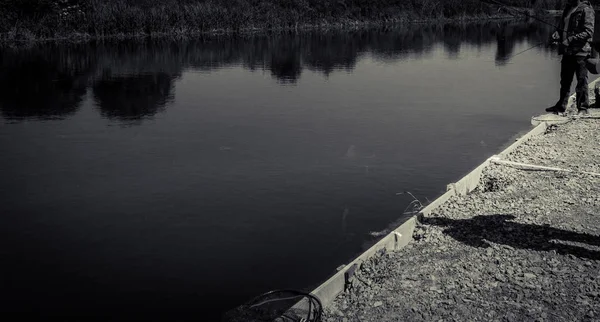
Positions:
(134, 80)
(132, 97)
(42, 85)
(261, 162)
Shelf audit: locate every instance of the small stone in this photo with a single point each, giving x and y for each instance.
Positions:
(377, 304)
(529, 275)
(537, 270)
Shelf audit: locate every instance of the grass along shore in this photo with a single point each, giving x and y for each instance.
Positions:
(34, 20)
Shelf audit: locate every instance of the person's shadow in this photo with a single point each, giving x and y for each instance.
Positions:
(480, 231)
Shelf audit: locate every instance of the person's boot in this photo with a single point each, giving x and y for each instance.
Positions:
(582, 103)
(582, 110)
(597, 96)
(561, 105)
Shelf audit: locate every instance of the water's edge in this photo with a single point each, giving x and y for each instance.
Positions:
(402, 235)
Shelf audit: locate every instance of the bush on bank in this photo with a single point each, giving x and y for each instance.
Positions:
(43, 19)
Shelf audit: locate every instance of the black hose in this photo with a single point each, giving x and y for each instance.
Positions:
(313, 303)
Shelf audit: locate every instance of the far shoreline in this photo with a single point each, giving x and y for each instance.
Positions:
(19, 40)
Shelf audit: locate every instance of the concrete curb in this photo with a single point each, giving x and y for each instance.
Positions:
(395, 240)
(402, 235)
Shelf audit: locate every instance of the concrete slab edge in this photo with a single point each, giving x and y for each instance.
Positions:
(402, 235)
(539, 129)
(395, 240)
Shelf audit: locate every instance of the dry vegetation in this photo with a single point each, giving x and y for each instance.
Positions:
(44, 19)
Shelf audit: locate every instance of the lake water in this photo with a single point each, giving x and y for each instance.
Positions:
(177, 179)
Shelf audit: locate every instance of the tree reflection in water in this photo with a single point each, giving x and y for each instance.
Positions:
(42, 85)
(130, 98)
(132, 81)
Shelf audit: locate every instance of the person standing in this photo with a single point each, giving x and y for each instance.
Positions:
(574, 35)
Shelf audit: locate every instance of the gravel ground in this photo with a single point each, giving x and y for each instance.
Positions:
(524, 246)
(576, 146)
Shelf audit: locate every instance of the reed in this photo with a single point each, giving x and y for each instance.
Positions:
(24, 20)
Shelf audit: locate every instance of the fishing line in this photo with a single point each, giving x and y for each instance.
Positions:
(521, 52)
(527, 15)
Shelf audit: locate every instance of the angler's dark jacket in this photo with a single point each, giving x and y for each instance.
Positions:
(579, 31)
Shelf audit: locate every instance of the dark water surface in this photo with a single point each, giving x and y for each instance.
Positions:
(175, 180)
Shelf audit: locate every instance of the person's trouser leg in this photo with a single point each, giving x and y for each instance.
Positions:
(581, 90)
(567, 71)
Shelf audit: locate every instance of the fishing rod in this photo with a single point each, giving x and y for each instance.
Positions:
(592, 63)
(522, 12)
(523, 51)
(527, 15)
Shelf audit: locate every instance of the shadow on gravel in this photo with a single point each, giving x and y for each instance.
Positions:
(480, 231)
